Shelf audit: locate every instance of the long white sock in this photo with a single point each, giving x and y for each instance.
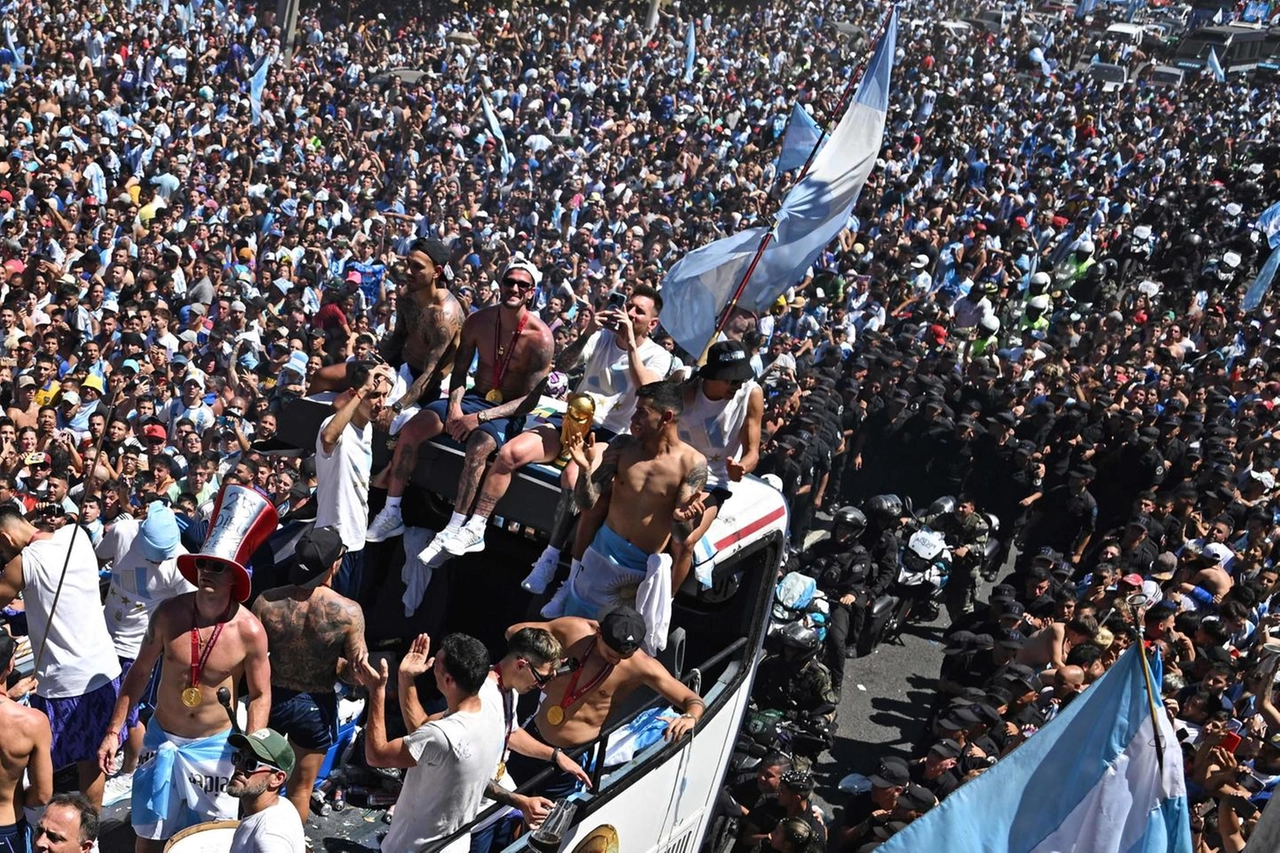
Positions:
(455, 521)
(393, 502)
(477, 523)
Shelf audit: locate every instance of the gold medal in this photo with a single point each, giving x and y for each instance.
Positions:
(502, 771)
(191, 697)
(555, 715)
(494, 396)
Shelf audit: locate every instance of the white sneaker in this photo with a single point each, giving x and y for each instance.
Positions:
(554, 608)
(435, 548)
(467, 540)
(117, 789)
(544, 572)
(385, 524)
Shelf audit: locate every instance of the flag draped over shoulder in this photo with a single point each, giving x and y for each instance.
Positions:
(1090, 781)
(257, 83)
(700, 285)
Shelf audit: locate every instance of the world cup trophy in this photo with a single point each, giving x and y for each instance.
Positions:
(578, 415)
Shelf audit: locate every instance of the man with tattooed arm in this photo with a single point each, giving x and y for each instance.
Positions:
(315, 635)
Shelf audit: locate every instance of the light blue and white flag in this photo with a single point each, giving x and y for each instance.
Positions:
(1090, 781)
(1215, 67)
(700, 285)
(1086, 7)
(507, 160)
(19, 53)
(802, 134)
(257, 83)
(1217, 16)
(1269, 224)
(1262, 284)
(690, 53)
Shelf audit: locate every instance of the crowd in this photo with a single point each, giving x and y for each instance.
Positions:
(432, 218)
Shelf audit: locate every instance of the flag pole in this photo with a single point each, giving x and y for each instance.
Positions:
(1136, 601)
(768, 236)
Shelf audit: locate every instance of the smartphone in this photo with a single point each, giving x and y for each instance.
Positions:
(1251, 783)
(1231, 742)
(617, 301)
(1244, 808)
(1204, 808)
(1234, 726)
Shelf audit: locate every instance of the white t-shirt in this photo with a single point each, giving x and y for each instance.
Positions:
(492, 698)
(342, 483)
(78, 656)
(276, 829)
(456, 757)
(137, 587)
(607, 376)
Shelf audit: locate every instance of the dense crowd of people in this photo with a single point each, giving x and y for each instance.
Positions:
(434, 218)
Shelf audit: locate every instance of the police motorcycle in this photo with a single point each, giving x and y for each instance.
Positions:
(924, 565)
(1137, 251)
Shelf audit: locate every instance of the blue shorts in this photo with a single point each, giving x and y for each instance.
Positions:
(77, 722)
(501, 430)
(309, 720)
(14, 838)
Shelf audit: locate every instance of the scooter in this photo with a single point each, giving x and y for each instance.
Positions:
(923, 568)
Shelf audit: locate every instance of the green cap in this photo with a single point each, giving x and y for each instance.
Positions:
(269, 745)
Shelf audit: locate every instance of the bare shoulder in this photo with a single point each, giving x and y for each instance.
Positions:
(340, 608)
(248, 624)
(169, 611)
(270, 598)
(570, 629)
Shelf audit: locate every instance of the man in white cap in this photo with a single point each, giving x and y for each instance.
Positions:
(144, 572)
(209, 640)
(515, 349)
(190, 404)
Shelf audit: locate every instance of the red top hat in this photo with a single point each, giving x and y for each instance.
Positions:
(242, 520)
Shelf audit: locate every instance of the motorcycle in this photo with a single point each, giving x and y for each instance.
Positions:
(1137, 250)
(923, 568)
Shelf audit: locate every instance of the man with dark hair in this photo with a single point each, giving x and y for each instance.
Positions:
(645, 488)
(450, 760)
(25, 743)
(69, 824)
(78, 677)
(309, 629)
(617, 359)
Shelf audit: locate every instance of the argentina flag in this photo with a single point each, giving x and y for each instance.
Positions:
(802, 134)
(701, 285)
(1091, 780)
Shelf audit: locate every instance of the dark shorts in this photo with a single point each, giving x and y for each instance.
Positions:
(309, 720)
(718, 495)
(77, 722)
(13, 838)
(149, 696)
(501, 430)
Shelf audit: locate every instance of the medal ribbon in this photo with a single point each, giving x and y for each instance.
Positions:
(500, 370)
(571, 693)
(198, 668)
(508, 711)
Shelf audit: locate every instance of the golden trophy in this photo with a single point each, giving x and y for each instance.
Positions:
(578, 415)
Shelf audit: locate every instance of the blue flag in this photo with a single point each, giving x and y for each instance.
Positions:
(802, 134)
(1090, 780)
(19, 53)
(1262, 284)
(1217, 16)
(1269, 224)
(1086, 7)
(506, 160)
(690, 54)
(1215, 67)
(256, 84)
(700, 286)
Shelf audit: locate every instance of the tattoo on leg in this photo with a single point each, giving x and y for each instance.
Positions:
(562, 527)
(473, 466)
(405, 460)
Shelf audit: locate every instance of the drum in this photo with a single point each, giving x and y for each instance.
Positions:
(212, 837)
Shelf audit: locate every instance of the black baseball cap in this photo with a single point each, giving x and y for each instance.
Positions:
(316, 552)
(622, 629)
(728, 361)
(946, 748)
(434, 249)
(893, 773)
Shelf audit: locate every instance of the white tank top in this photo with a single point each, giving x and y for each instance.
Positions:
(79, 656)
(714, 427)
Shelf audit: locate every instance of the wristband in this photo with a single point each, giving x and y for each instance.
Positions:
(1201, 595)
(555, 754)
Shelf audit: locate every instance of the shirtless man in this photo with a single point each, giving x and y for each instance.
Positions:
(515, 349)
(619, 359)
(208, 640)
(611, 664)
(648, 486)
(310, 630)
(24, 410)
(1048, 647)
(425, 337)
(24, 747)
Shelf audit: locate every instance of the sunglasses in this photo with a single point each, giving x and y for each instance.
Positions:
(250, 764)
(540, 678)
(213, 567)
(517, 283)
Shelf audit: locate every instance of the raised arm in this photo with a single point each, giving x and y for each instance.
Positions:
(588, 490)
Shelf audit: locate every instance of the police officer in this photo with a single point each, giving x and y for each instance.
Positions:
(965, 531)
(842, 568)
